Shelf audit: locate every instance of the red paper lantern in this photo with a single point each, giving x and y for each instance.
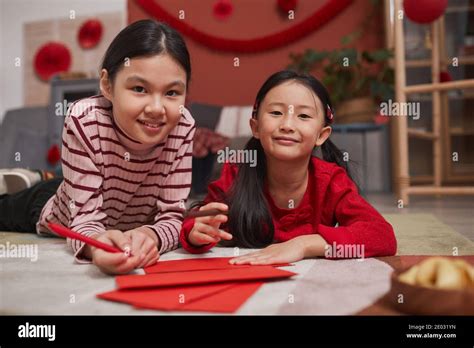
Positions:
(52, 58)
(287, 5)
(424, 11)
(53, 155)
(90, 33)
(445, 76)
(223, 9)
(380, 118)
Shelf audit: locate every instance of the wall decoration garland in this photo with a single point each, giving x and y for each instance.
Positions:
(320, 17)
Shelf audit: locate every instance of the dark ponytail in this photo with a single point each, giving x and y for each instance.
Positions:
(331, 153)
(250, 222)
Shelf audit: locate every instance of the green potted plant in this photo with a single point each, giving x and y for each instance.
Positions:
(356, 80)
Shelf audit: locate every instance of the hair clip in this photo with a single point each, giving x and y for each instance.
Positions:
(330, 114)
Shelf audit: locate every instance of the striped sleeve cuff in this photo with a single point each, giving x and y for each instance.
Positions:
(168, 233)
(77, 246)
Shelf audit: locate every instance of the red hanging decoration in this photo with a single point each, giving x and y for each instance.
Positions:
(445, 76)
(323, 15)
(51, 58)
(287, 5)
(223, 9)
(380, 118)
(90, 33)
(424, 11)
(53, 155)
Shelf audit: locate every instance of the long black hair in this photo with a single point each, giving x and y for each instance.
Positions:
(145, 38)
(250, 221)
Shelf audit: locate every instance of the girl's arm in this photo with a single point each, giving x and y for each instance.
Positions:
(313, 245)
(174, 192)
(214, 194)
(360, 225)
(293, 250)
(361, 228)
(82, 184)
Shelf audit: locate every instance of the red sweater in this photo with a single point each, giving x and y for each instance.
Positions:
(331, 197)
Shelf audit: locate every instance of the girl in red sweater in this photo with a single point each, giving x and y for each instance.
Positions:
(290, 202)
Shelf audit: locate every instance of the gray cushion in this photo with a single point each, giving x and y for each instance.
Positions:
(205, 115)
(24, 131)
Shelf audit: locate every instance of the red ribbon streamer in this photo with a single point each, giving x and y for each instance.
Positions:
(319, 18)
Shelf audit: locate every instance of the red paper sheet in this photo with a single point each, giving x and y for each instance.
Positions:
(165, 298)
(228, 300)
(201, 277)
(197, 264)
(198, 284)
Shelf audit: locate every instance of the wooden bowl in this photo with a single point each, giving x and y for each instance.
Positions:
(415, 299)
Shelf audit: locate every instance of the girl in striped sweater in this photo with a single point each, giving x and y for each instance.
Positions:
(126, 156)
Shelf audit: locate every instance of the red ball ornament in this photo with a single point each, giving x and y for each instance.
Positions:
(287, 5)
(223, 9)
(424, 11)
(51, 58)
(445, 76)
(53, 155)
(380, 118)
(90, 33)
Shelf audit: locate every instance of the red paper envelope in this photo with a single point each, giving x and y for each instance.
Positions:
(227, 300)
(197, 264)
(200, 277)
(164, 298)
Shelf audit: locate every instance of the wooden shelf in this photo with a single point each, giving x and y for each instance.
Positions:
(421, 179)
(460, 179)
(429, 179)
(463, 168)
(427, 98)
(460, 131)
(459, 8)
(444, 190)
(439, 86)
(431, 161)
(426, 63)
(421, 134)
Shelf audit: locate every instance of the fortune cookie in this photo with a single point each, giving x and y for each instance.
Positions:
(440, 273)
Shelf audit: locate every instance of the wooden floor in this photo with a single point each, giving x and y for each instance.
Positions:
(455, 211)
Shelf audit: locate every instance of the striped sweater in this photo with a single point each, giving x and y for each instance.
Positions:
(112, 181)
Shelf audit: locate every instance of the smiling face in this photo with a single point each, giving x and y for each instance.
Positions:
(146, 96)
(290, 122)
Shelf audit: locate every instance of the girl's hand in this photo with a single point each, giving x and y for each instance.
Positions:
(206, 228)
(144, 246)
(286, 252)
(138, 243)
(114, 263)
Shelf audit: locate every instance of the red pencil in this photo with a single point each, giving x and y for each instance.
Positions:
(66, 232)
(200, 213)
